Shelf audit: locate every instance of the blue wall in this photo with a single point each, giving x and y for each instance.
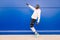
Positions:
(21, 3)
(15, 15)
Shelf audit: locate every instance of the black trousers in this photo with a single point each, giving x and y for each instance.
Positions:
(32, 22)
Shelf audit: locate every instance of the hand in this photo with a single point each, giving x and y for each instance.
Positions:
(27, 4)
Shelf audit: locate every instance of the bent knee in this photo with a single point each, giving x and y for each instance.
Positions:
(31, 25)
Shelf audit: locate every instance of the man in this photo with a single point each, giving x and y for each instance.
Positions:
(36, 15)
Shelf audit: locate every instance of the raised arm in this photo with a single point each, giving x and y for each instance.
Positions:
(31, 7)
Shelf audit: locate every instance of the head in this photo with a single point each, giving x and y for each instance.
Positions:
(37, 6)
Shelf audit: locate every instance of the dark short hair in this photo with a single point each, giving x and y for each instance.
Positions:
(37, 6)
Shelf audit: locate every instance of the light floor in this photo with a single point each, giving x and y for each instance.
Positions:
(29, 37)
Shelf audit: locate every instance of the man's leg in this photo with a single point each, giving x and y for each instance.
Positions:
(34, 30)
(32, 26)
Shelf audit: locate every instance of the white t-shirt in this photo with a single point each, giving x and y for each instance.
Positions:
(36, 14)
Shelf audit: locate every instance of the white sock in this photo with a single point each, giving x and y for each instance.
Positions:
(33, 29)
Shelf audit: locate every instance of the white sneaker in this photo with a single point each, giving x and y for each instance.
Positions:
(36, 35)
